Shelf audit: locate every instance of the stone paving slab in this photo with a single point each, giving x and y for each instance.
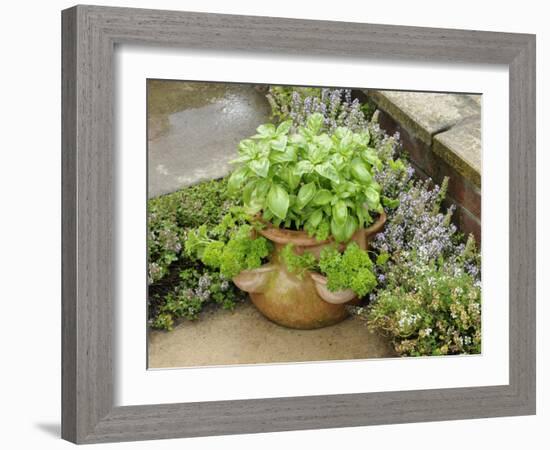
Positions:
(245, 336)
(460, 147)
(424, 113)
(194, 129)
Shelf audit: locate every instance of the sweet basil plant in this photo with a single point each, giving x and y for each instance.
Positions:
(322, 183)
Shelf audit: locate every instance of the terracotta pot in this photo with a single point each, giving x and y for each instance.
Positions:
(293, 301)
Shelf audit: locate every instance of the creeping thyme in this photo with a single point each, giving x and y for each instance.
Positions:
(195, 289)
(416, 225)
(170, 215)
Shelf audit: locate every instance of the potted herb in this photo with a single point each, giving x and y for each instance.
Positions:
(312, 190)
(339, 277)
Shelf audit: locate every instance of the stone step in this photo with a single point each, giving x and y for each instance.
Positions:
(460, 146)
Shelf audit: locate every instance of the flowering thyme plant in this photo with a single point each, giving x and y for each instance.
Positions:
(429, 296)
(335, 105)
(196, 289)
(431, 310)
(417, 225)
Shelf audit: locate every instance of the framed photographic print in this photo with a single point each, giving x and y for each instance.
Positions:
(268, 230)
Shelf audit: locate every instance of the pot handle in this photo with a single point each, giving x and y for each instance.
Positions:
(336, 298)
(254, 281)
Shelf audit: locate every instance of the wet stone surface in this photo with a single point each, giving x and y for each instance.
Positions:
(194, 129)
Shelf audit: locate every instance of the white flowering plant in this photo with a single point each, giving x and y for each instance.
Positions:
(436, 311)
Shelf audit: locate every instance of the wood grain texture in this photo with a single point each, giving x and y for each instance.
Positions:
(89, 36)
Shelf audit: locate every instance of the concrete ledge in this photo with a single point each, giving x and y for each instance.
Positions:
(425, 114)
(461, 148)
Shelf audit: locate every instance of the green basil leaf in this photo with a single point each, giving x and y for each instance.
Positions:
(327, 170)
(370, 156)
(251, 202)
(266, 130)
(322, 197)
(278, 201)
(267, 215)
(343, 232)
(315, 122)
(337, 230)
(247, 147)
(305, 194)
(260, 167)
(288, 155)
(373, 198)
(288, 175)
(360, 172)
(279, 144)
(303, 167)
(248, 190)
(349, 228)
(340, 212)
(314, 219)
(261, 189)
(284, 127)
(299, 140)
(237, 179)
(323, 141)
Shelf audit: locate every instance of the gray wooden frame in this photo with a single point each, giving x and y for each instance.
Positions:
(89, 36)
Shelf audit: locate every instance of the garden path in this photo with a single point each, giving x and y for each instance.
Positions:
(244, 336)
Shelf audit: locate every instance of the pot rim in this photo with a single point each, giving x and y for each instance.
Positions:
(302, 239)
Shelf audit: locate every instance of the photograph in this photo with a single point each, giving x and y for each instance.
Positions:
(288, 224)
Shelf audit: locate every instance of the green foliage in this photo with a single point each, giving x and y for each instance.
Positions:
(295, 263)
(169, 215)
(309, 180)
(436, 311)
(173, 276)
(352, 269)
(229, 250)
(197, 288)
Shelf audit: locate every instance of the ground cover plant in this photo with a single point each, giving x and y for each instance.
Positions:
(180, 287)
